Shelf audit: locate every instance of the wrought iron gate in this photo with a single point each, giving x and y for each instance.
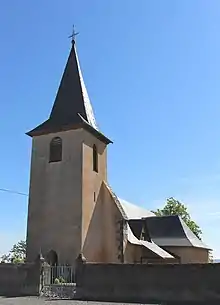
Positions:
(58, 282)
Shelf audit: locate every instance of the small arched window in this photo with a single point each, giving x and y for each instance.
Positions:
(55, 150)
(95, 159)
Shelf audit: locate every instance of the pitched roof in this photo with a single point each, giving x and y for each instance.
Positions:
(149, 245)
(72, 108)
(133, 211)
(72, 97)
(162, 230)
(172, 231)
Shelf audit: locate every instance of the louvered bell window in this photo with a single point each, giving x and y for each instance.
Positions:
(55, 150)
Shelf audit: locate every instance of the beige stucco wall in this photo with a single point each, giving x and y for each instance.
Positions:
(63, 197)
(132, 253)
(112, 217)
(190, 254)
(103, 237)
(55, 196)
(71, 209)
(140, 254)
(91, 180)
(93, 249)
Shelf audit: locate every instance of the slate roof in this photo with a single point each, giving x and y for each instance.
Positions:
(149, 245)
(72, 108)
(163, 230)
(172, 231)
(130, 210)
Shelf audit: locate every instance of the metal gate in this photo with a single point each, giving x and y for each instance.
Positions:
(58, 282)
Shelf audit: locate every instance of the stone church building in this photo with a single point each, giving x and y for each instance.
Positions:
(72, 209)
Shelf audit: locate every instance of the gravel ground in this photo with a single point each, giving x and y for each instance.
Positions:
(41, 301)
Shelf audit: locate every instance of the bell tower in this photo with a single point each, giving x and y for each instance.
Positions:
(68, 165)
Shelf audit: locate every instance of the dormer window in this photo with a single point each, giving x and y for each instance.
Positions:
(55, 150)
(95, 159)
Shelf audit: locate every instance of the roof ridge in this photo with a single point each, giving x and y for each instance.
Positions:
(114, 196)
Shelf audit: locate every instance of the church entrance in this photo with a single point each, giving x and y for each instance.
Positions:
(58, 282)
(52, 258)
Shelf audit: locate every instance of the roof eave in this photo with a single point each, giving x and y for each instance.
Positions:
(38, 131)
(97, 133)
(94, 131)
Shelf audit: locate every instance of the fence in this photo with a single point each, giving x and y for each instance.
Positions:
(59, 275)
(59, 282)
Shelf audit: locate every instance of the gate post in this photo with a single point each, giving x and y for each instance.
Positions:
(41, 261)
(80, 264)
(44, 274)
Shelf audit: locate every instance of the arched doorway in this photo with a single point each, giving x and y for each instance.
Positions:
(52, 258)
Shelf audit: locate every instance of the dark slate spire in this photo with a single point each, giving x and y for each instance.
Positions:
(72, 108)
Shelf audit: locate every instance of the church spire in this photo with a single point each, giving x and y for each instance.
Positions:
(72, 98)
(72, 108)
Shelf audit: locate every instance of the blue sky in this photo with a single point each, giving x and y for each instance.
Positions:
(152, 72)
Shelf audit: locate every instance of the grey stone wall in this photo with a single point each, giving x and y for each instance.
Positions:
(149, 283)
(171, 283)
(67, 292)
(19, 279)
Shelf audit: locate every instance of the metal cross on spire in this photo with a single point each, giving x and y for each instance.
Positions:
(74, 34)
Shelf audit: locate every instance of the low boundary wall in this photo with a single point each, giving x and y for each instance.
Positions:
(149, 283)
(166, 284)
(19, 279)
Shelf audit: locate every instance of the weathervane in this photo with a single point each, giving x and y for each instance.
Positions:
(73, 34)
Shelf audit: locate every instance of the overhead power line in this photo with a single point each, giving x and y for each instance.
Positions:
(13, 192)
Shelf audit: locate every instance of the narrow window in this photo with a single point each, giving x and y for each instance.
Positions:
(95, 159)
(55, 150)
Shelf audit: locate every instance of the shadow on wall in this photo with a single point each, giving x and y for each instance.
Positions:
(103, 236)
(93, 245)
(125, 283)
(171, 283)
(19, 279)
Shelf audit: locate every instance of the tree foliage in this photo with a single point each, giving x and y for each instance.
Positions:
(175, 207)
(16, 255)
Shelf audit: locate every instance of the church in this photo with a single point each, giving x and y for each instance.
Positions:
(72, 209)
